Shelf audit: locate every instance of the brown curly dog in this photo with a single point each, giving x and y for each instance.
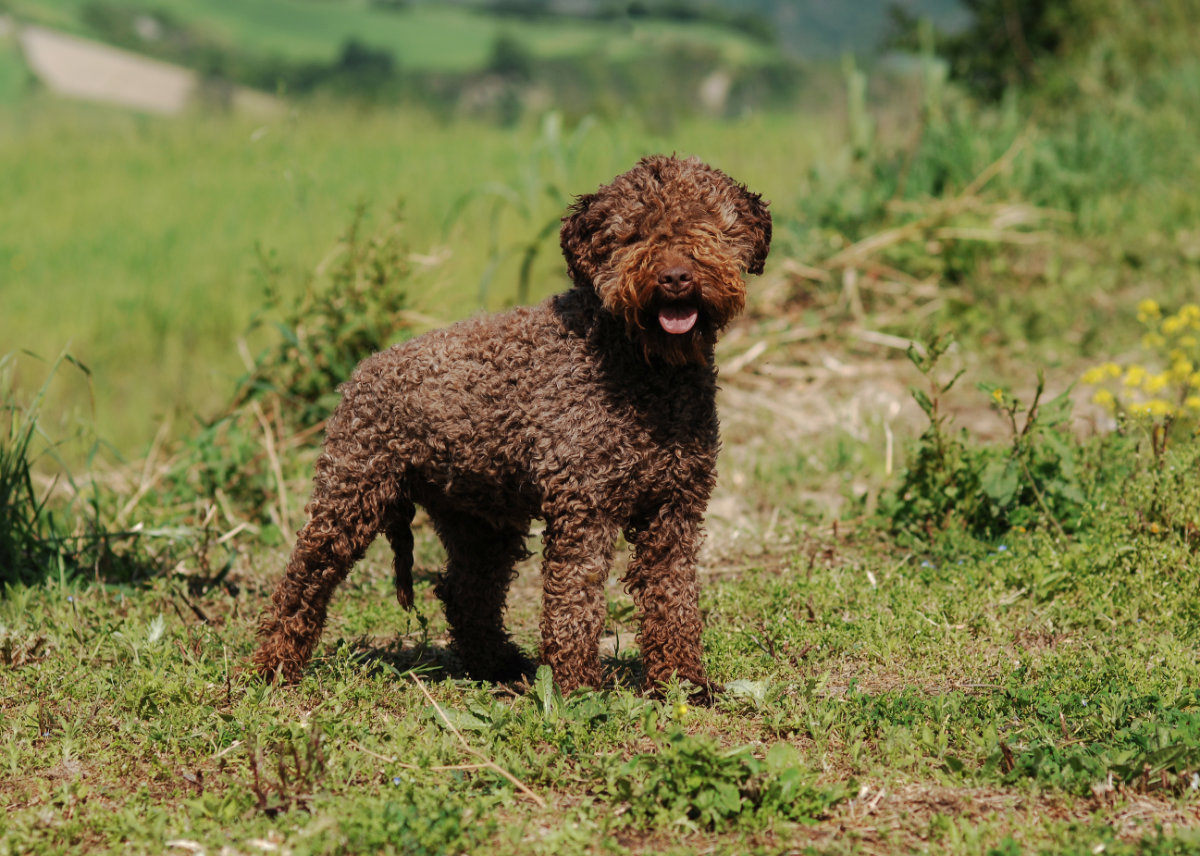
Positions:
(594, 411)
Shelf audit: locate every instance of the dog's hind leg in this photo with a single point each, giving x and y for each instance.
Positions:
(345, 514)
(480, 565)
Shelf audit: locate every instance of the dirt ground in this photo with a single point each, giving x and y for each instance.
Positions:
(80, 68)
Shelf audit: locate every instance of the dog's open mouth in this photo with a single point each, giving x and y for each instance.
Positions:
(678, 318)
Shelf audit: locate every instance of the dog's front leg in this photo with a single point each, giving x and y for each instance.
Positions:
(577, 553)
(662, 580)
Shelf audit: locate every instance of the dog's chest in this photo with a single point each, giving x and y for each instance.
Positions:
(640, 441)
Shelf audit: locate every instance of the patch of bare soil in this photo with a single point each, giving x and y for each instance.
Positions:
(85, 69)
(81, 68)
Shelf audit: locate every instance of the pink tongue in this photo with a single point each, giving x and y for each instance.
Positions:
(677, 319)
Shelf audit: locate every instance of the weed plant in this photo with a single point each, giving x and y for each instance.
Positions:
(983, 491)
(54, 526)
(1159, 400)
(355, 304)
(695, 780)
(27, 546)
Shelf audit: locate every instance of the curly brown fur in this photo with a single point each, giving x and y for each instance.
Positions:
(594, 411)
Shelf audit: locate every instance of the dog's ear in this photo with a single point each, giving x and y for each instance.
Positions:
(576, 239)
(753, 210)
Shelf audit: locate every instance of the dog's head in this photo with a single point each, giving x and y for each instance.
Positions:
(665, 246)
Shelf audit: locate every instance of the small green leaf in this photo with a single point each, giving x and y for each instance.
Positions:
(923, 401)
(783, 756)
(1000, 480)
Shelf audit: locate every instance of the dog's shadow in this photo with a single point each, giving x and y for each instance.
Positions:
(439, 663)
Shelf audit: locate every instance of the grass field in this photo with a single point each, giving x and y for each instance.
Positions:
(951, 590)
(1034, 695)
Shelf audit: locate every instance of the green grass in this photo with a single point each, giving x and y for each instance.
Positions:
(426, 36)
(959, 704)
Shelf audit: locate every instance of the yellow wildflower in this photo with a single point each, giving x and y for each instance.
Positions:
(1101, 373)
(1181, 370)
(1156, 382)
(1134, 375)
(1105, 399)
(1155, 408)
(1148, 310)
(1192, 402)
(998, 395)
(1188, 342)
(1189, 313)
(1153, 340)
(1174, 325)
(1158, 407)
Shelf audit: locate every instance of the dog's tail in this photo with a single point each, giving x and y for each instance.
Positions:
(397, 526)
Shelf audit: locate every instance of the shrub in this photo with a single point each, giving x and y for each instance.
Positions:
(354, 304)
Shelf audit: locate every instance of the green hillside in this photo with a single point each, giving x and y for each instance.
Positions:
(434, 37)
(460, 36)
(823, 28)
(496, 59)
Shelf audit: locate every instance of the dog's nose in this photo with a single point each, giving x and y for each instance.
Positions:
(676, 281)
